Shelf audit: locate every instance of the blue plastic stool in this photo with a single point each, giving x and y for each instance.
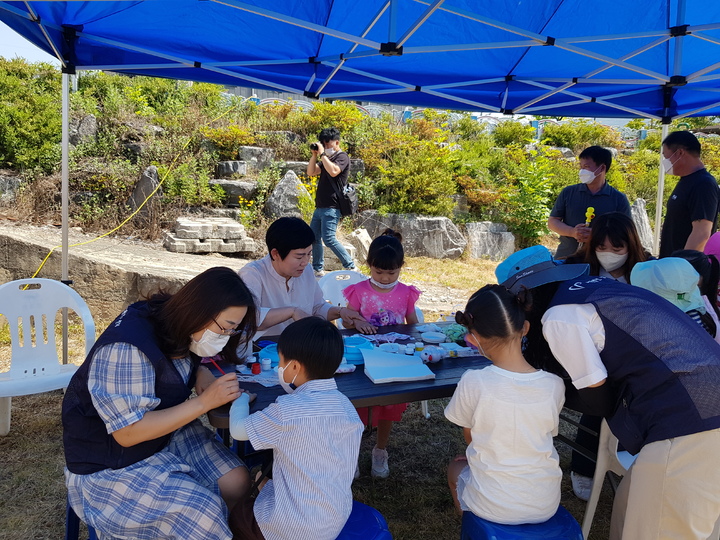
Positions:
(562, 526)
(72, 526)
(365, 523)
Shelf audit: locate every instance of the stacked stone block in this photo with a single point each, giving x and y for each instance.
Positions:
(208, 235)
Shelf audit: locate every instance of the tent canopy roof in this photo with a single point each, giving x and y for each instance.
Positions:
(609, 58)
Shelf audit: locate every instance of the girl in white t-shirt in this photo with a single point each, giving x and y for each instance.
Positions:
(509, 413)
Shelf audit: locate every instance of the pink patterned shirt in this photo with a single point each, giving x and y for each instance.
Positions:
(382, 308)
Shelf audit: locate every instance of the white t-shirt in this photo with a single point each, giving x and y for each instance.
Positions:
(513, 474)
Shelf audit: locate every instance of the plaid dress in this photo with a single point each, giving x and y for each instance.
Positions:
(172, 494)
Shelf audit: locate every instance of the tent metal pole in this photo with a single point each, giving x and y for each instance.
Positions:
(659, 201)
(65, 200)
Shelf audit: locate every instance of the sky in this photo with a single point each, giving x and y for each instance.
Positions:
(13, 44)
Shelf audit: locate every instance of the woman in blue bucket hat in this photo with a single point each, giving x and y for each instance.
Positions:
(633, 357)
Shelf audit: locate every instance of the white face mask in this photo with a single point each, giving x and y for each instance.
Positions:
(330, 152)
(288, 387)
(611, 261)
(384, 285)
(209, 344)
(668, 164)
(587, 176)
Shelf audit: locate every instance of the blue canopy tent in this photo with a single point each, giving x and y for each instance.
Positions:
(605, 58)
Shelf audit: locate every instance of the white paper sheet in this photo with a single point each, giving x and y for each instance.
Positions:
(382, 367)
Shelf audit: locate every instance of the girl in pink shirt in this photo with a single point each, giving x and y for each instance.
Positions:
(383, 301)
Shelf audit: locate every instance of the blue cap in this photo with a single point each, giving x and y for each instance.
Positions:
(534, 266)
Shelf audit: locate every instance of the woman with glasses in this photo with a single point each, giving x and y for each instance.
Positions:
(139, 462)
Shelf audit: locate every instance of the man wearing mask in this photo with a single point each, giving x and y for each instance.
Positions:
(693, 206)
(333, 165)
(568, 216)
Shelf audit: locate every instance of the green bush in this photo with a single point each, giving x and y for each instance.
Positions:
(529, 200)
(187, 184)
(30, 120)
(228, 140)
(579, 134)
(513, 132)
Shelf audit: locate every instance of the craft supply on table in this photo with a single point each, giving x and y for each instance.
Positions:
(391, 347)
(390, 337)
(353, 346)
(266, 364)
(267, 378)
(455, 332)
(382, 367)
(431, 327)
(433, 337)
(256, 368)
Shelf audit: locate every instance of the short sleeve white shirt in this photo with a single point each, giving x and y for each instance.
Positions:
(513, 473)
(576, 336)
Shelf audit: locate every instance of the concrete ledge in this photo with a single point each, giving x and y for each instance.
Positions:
(109, 273)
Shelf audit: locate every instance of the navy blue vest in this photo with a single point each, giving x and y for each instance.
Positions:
(663, 366)
(88, 446)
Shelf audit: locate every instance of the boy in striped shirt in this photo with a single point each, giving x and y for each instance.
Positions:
(314, 432)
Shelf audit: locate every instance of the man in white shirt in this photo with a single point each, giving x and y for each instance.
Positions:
(636, 359)
(283, 282)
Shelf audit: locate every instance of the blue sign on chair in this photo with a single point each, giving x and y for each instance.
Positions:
(562, 526)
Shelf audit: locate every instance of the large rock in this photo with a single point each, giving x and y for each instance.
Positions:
(8, 187)
(226, 169)
(256, 157)
(331, 262)
(423, 236)
(489, 240)
(357, 168)
(360, 239)
(82, 129)
(298, 167)
(234, 189)
(145, 186)
(642, 223)
(284, 199)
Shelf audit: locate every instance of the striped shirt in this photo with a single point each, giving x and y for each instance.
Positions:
(315, 437)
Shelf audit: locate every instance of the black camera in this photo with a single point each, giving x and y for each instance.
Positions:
(313, 146)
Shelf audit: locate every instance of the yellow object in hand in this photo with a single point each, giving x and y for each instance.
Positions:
(589, 214)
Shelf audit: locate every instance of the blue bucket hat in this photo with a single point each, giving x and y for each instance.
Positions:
(534, 266)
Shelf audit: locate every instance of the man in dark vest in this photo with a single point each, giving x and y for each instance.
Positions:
(633, 357)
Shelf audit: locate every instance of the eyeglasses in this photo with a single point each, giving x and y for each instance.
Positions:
(228, 331)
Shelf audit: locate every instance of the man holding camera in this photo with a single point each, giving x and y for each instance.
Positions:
(333, 165)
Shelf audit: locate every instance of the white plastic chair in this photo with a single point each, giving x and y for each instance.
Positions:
(34, 364)
(333, 283)
(608, 459)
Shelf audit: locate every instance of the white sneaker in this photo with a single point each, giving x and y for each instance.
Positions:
(380, 467)
(319, 273)
(582, 485)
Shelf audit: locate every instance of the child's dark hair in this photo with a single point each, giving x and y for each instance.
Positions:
(494, 312)
(315, 343)
(386, 251)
